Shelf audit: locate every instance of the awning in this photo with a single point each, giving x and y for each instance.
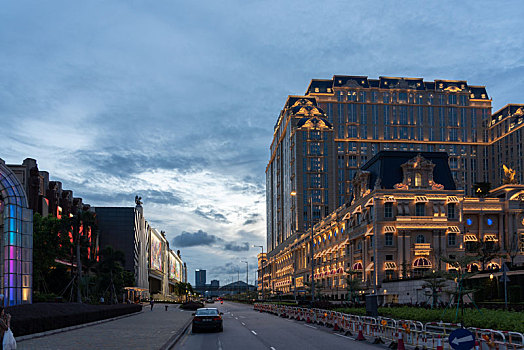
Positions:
(389, 265)
(454, 229)
(369, 231)
(390, 229)
(357, 266)
(470, 238)
(452, 199)
(358, 209)
(389, 199)
(421, 199)
(369, 202)
(370, 266)
(490, 238)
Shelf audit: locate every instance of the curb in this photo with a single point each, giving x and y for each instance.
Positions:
(176, 337)
(66, 329)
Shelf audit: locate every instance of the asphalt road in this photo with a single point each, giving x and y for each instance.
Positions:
(245, 328)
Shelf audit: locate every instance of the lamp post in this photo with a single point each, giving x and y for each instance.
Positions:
(293, 194)
(262, 267)
(247, 275)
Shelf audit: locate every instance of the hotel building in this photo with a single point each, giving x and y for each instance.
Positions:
(321, 139)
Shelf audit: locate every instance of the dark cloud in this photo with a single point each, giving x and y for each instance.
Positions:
(199, 238)
(234, 247)
(225, 269)
(210, 214)
(253, 219)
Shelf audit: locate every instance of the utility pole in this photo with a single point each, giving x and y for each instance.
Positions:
(247, 275)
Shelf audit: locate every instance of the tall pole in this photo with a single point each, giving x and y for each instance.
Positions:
(247, 275)
(311, 249)
(262, 268)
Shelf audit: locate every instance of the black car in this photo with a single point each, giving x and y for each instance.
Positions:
(207, 318)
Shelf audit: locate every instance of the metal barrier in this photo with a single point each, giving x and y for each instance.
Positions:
(381, 329)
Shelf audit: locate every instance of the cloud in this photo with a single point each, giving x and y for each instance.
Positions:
(199, 238)
(252, 219)
(211, 214)
(234, 247)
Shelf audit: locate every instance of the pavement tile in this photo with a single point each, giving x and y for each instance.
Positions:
(145, 330)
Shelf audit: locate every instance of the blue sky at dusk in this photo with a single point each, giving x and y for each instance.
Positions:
(176, 101)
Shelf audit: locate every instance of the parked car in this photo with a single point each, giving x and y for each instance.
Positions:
(210, 301)
(207, 318)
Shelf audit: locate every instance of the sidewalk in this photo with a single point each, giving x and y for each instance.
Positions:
(144, 330)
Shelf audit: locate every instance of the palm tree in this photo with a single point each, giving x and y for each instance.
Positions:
(111, 267)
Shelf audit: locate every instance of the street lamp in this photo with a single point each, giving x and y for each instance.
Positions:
(247, 275)
(262, 267)
(293, 194)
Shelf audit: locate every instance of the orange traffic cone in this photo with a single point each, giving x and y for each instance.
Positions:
(439, 343)
(400, 344)
(360, 335)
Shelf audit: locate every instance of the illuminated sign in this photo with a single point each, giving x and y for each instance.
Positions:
(156, 253)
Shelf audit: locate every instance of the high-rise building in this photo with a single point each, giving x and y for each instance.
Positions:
(322, 138)
(504, 134)
(200, 277)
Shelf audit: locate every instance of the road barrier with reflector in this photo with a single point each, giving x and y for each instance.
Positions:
(381, 329)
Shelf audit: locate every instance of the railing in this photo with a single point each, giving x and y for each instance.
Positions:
(431, 335)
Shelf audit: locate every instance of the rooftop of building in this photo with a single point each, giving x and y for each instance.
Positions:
(327, 86)
(515, 111)
(386, 165)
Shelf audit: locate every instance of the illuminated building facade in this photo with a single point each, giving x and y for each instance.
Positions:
(405, 213)
(16, 229)
(505, 136)
(155, 266)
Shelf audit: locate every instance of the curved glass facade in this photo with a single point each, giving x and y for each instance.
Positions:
(16, 231)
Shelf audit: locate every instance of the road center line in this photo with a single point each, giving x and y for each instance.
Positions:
(272, 348)
(219, 345)
(255, 333)
(310, 326)
(243, 324)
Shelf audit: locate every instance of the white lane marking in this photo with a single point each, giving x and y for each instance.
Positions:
(255, 333)
(272, 348)
(310, 326)
(343, 336)
(243, 324)
(219, 345)
(236, 318)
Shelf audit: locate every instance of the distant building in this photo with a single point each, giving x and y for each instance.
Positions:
(200, 278)
(215, 284)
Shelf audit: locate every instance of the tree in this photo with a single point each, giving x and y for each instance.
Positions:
(513, 248)
(460, 274)
(434, 281)
(353, 285)
(486, 251)
(47, 247)
(112, 271)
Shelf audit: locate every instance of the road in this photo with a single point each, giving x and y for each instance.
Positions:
(245, 328)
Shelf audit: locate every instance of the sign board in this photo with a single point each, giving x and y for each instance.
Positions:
(461, 339)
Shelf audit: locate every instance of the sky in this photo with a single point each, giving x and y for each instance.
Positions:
(176, 101)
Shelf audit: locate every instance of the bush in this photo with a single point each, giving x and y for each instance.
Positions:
(41, 317)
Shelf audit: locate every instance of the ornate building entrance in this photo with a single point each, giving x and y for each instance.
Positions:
(16, 230)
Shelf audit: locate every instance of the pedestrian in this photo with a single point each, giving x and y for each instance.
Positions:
(152, 302)
(5, 324)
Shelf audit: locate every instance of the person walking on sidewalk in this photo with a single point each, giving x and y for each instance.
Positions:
(5, 324)
(152, 302)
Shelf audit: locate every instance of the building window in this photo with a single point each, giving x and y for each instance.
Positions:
(418, 180)
(421, 239)
(420, 210)
(452, 239)
(389, 239)
(451, 211)
(388, 210)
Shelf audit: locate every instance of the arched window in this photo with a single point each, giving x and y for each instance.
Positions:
(418, 180)
(422, 263)
(421, 239)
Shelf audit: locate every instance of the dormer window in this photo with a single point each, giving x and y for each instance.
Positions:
(418, 180)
